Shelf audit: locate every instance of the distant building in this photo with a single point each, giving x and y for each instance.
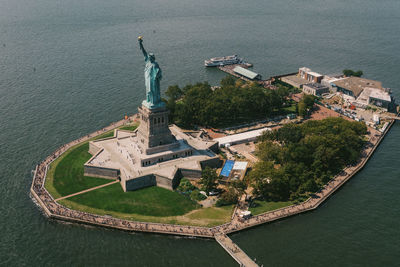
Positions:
(380, 99)
(365, 92)
(328, 80)
(247, 73)
(240, 138)
(309, 75)
(316, 89)
(353, 86)
(294, 80)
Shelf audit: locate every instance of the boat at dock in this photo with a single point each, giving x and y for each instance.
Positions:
(222, 61)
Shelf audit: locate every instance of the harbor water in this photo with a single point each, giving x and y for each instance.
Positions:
(71, 67)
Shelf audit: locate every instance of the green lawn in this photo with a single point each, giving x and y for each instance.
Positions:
(290, 109)
(68, 174)
(264, 206)
(214, 215)
(68, 179)
(129, 127)
(104, 135)
(150, 201)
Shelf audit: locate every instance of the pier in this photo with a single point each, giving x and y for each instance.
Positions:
(238, 254)
(229, 69)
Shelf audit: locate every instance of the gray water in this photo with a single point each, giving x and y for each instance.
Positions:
(70, 67)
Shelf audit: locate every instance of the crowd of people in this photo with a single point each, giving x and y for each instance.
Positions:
(53, 209)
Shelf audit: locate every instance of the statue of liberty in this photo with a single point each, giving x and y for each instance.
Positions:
(152, 75)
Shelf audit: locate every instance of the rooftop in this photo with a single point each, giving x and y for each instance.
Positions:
(296, 79)
(241, 136)
(314, 74)
(357, 85)
(316, 86)
(245, 72)
(378, 94)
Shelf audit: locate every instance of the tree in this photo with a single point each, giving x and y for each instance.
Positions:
(240, 186)
(228, 81)
(298, 159)
(305, 105)
(208, 179)
(174, 92)
(235, 101)
(348, 73)
(228, 197)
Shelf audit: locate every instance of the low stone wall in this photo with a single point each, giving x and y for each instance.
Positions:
(215, 162)
(106, 173)
(139, 182)
(93, 149)
(190, 173)
(164, 182)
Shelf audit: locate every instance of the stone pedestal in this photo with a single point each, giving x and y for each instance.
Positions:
(153, 133)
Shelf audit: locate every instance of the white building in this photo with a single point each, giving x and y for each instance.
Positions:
(241, 137)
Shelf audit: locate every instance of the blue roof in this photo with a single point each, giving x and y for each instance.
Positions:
(226, 170)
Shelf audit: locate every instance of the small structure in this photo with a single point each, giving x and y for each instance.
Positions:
(291, 116)
(240, 165)
(376, 119)
(316, 89)
(311, 76)
(380, 98)
(240, 138)
(226, 170)
(294, 80)
(233, 171)
(245, 214)
(247, 73)
(353, 86)
(329, 80)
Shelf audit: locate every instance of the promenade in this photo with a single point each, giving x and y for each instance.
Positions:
(54, 210)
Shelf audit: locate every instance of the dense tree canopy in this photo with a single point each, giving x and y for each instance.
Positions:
(349, 73)
(305, 105)
(233, 102)
(299, 159)
(208, 179)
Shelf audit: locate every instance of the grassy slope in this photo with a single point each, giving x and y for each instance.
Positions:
(264, 206)
(59, 186)
(129, 127)
(151, 201)
(68, 175)
(200, 217)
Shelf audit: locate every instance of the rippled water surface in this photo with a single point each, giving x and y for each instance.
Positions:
(70, 67)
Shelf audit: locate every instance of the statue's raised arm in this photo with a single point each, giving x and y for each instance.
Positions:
(140, 40)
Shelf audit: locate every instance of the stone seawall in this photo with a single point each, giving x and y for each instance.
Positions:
(54, 210)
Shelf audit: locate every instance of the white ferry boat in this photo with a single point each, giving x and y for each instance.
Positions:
(222, 61)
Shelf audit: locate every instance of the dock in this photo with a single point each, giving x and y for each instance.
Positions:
(229, 69)
(237, 253)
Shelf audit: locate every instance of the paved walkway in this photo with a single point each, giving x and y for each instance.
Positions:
(237, 253)
(87, 190)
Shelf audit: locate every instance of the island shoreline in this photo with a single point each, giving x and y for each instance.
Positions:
(52, 209)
